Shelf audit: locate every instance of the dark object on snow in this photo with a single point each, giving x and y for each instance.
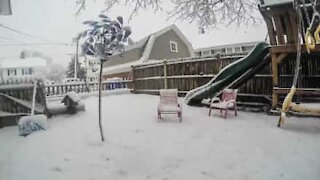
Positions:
(71, 101)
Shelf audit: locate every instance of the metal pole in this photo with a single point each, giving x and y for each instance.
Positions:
(100, 105)
(34, 97)
(76, 59)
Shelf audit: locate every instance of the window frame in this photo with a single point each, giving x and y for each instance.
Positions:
(172, 45)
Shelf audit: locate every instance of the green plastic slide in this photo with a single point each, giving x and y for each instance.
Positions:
(229, 75)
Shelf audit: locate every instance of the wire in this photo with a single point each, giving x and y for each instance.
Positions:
(31, 36)
(5, 38)
(35, 44)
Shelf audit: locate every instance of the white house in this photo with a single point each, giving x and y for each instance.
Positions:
(20, 70)
(92, 66)
(237, 48)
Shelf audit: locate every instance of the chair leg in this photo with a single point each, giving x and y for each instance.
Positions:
(235, 110)
(220, 111)
(210, 111)
(225, 114)
(159, 116)
(180, 117)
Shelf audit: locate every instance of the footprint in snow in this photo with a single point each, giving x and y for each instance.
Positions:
(57, 169)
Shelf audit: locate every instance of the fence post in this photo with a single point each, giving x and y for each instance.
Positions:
(133, 77)
(165, 74)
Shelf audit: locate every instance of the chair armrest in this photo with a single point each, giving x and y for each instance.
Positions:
(232, 101)
(215, 100)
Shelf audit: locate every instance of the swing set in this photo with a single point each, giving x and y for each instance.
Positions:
(293, 27)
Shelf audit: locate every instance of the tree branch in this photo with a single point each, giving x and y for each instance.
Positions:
(205, 13)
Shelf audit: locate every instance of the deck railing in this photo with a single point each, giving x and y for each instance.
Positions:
(81, 87)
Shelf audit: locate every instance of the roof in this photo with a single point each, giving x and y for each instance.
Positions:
(147, 44)
(228, 45)
(26, 62)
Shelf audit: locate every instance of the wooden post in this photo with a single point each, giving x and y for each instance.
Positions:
(165, 74)
(276, 60)
(133, 78)
(275, 80)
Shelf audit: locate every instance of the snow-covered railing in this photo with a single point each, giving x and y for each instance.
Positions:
(80, 87)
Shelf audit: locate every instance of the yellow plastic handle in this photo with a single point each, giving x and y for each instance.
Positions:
(316, 34)
(310, 42)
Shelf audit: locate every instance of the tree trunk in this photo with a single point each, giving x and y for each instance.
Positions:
(100, 88)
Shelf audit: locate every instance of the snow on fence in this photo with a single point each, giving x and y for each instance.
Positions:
(189, 73)
(80, 87)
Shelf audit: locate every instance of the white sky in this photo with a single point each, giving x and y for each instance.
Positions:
(55, 20)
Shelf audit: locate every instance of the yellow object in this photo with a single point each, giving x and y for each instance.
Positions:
(304, 109)
(286, 105)
(316, 34)
(310, 42)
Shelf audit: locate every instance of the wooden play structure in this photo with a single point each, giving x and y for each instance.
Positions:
(293, 28)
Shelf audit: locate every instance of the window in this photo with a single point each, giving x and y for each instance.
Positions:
(206, 53)
(12, 72)
(229, 50)
(247, 48)
(237, 49)
(173, 46)
(27, 71)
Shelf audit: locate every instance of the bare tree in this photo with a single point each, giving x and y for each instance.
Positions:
(206, 13)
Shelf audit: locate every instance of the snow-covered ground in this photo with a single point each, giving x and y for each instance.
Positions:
(248, 146)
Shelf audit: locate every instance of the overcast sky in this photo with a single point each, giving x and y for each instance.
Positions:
(56, 20)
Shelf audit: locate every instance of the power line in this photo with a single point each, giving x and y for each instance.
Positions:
(5, 38)
(32, 36)
(34, 44)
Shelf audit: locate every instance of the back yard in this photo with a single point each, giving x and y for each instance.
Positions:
(248, 146)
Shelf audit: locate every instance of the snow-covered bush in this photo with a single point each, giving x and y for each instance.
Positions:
(28, 124)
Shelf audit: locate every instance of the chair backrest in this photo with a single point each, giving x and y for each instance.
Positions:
(168, 96)
(229, 94)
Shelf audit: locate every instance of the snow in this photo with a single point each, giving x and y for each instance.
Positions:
(247, 146)
(26, 62)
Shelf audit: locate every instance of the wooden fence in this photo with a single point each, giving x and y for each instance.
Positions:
(187, 74)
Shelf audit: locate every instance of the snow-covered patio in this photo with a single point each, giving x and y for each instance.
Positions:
(248, 146)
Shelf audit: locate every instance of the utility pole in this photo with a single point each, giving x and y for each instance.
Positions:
(76, 58)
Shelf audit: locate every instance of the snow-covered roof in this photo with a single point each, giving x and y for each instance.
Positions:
(26, 62)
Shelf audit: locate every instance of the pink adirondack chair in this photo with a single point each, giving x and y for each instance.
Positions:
(169, 103)
(227, 102)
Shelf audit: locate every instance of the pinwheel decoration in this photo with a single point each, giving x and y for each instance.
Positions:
(105, 37)
(102, 40)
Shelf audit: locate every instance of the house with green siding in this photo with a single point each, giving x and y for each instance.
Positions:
(168, 43)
